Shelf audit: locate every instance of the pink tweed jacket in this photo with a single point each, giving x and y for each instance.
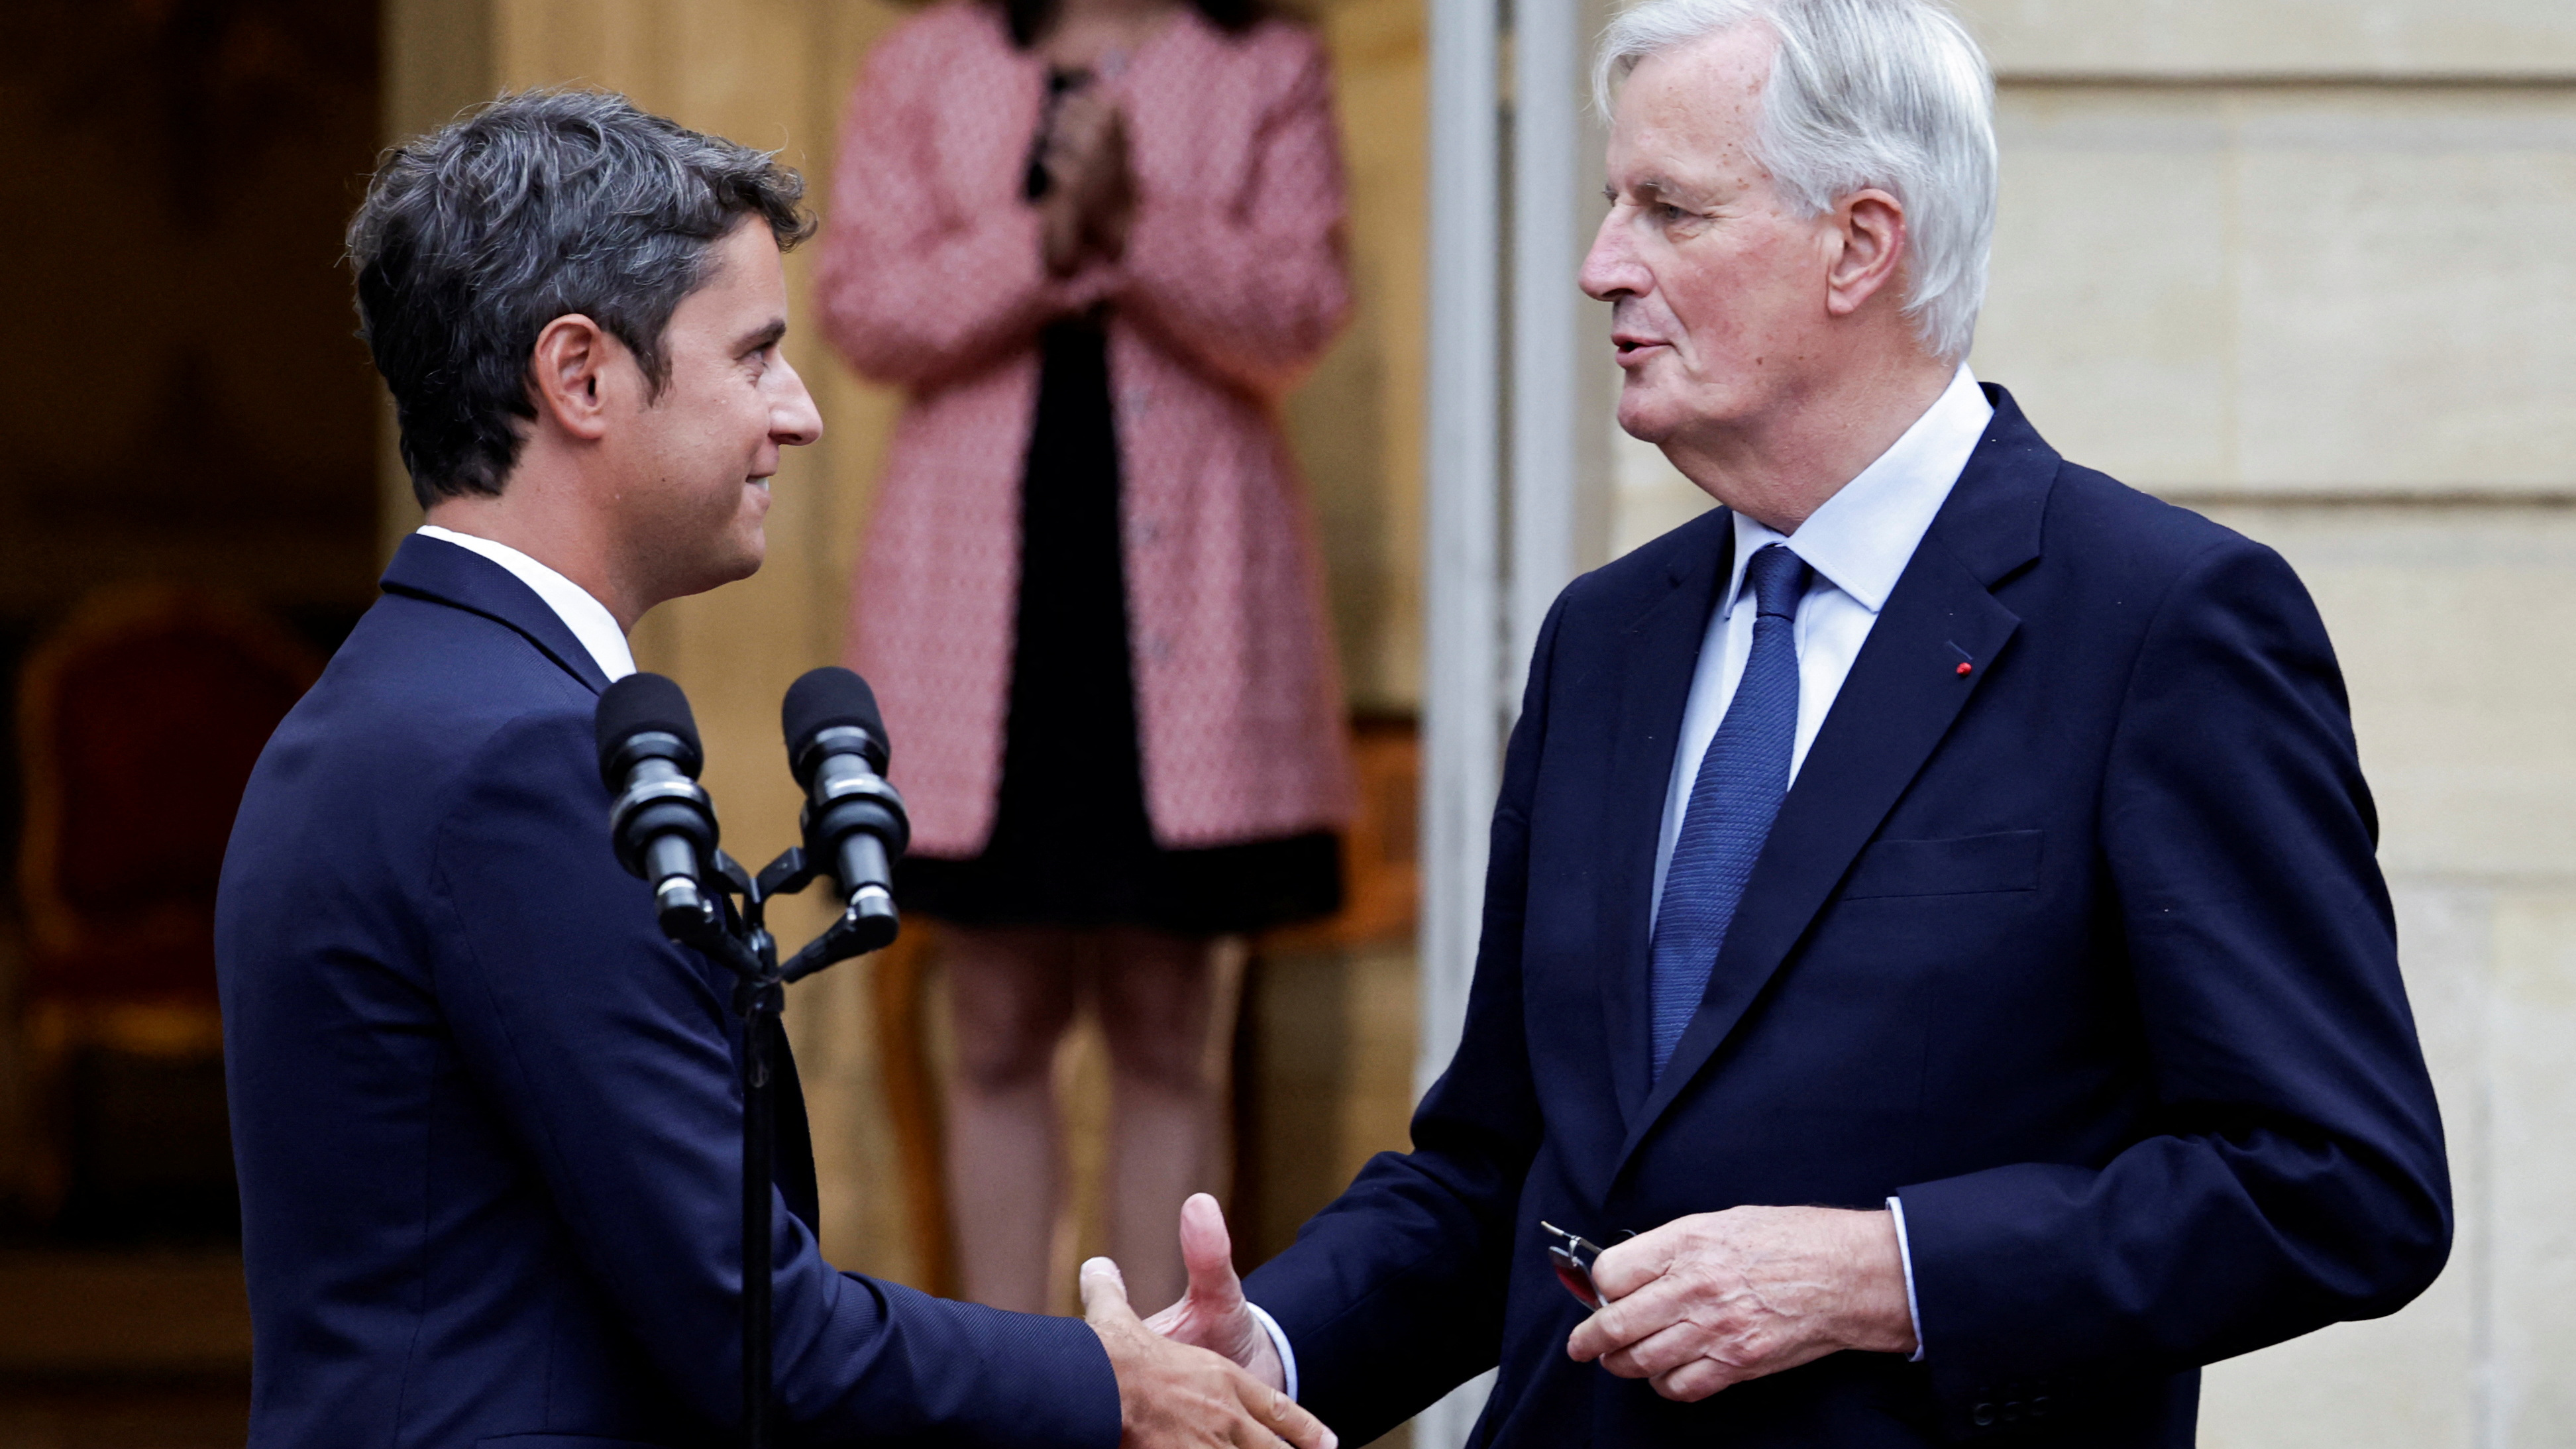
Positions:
(930, 276)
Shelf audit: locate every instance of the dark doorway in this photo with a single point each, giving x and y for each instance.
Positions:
(183, 405)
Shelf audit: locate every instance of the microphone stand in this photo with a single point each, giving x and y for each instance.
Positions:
(738, 939)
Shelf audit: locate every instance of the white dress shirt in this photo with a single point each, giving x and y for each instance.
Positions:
(587, 618)
(1858, 543)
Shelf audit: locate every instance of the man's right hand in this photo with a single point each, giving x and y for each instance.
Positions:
(1173, 1395)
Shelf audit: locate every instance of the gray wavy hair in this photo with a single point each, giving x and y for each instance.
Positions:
(1891, 94)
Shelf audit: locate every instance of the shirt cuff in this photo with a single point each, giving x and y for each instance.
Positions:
(1288, 1356)
(1904, 1250)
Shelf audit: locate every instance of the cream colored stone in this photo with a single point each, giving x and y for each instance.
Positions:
(2397, 326)
(2108, 311)
(2275, 291)
(2282, 37)
(2451, 624)
(2399, 1381)
(2532, 1103)
(2319, 291)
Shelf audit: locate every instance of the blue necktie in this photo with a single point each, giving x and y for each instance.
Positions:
(1732, 800)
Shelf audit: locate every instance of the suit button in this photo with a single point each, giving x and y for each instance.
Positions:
(2039, 1406)
(2012, 1411)
(1984, 1415)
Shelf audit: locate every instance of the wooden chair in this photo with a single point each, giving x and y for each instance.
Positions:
(139, 721)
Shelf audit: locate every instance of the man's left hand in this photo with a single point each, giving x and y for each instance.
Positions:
(1714, 1299)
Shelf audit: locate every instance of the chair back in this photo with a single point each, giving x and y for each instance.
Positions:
(139, 722)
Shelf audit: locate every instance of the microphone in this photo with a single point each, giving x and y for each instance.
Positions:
(854, 822)
(663, 825)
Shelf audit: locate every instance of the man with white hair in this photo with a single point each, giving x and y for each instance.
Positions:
(1932, 928)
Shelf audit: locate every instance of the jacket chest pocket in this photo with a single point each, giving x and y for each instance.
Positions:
(2007, 860)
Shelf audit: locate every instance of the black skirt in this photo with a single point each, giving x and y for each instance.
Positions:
(1071, 843)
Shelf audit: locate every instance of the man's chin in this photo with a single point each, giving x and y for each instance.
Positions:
(1645, 416)
(733, 568)
(750, 541)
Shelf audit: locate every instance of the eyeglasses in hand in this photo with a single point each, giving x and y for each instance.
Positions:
(1572, 1256)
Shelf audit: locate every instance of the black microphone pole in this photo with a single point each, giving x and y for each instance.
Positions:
(759, 1155)
(664, 829)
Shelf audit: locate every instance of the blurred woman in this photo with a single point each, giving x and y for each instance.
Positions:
(1095, 240)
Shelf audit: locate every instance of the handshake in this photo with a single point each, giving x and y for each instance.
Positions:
(1706, 1301)
(1202, 1371)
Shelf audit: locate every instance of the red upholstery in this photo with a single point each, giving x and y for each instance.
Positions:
(140, 721)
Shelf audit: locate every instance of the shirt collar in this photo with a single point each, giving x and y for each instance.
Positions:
(587, 618)
(1861, 538)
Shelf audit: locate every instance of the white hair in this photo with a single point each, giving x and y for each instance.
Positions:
(1891, 94)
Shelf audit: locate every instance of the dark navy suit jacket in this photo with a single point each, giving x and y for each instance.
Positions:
(485, 1116)
(2084, 954)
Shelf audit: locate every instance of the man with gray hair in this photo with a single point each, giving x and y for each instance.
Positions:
(485, 1115)
(1932, 931)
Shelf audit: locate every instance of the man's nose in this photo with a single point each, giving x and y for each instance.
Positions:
(793, 419)
(1611, 269)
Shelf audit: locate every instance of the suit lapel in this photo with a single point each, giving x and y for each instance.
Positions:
(1663, 653)
(1899, 700)
(434, 569)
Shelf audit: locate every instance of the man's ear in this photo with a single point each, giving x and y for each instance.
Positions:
(567, 372)
(1870, 243)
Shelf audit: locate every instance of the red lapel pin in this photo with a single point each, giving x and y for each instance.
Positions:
(1965, 666)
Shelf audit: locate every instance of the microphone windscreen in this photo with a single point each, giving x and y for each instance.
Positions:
(825, 699)
(641, 704)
